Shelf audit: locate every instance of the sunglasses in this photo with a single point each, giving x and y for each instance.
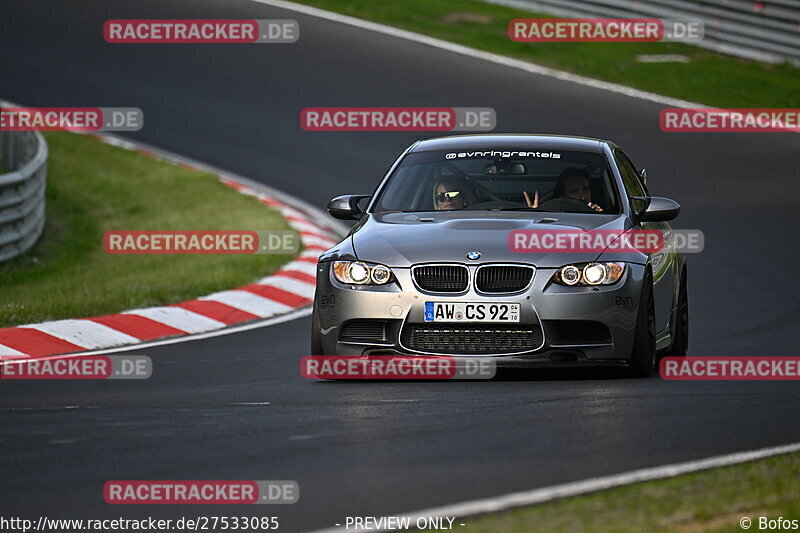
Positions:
(443, 196)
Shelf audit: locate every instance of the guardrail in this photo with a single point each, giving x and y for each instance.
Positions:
(23, 175)
(764, 30)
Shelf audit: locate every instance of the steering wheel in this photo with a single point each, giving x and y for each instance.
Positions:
(566, 203)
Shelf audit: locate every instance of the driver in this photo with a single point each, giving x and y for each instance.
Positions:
(449, 194)
(572, 183)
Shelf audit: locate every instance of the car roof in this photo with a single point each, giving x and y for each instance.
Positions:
(514, 141)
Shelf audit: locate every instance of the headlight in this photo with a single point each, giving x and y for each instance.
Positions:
(380, 274)
(594, 273)
(583, 274)
(358, 273)
(570, 275)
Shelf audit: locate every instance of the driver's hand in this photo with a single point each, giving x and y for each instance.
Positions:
(595, 207)
(535, 203)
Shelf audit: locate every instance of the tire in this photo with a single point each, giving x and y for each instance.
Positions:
(680, 339)
(316, 342)
(643, 356)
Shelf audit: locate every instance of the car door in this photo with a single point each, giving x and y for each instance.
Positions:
(664, 261)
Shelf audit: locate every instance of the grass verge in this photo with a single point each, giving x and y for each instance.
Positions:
(707, 78)
(713, 501)
(93, 188)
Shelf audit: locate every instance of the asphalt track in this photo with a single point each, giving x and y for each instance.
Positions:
(382, 448)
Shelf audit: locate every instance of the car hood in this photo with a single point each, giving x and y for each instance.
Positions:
(405, 239)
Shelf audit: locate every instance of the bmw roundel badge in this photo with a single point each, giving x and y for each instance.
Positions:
(473, 256)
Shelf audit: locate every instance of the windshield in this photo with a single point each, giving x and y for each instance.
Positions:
(549, 180)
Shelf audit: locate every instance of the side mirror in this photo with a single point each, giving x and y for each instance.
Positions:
(658, 209)
(346, 207)
(643, 175)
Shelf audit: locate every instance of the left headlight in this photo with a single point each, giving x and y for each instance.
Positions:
(359, 273)
(589, 274)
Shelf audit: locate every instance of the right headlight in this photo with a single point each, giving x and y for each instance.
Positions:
(359, 273)
(589, 274)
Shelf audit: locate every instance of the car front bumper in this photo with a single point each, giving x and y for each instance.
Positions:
(580, 326)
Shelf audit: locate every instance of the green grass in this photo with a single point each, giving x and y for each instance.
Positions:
(92, 188)
(709, 78)
(709, 502)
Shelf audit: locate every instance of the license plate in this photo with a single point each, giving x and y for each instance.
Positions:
(471, 312)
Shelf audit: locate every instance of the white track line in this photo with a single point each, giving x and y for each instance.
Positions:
(308, 226)
(84, 333)
(310, 253)
(6, 351)
(290, 285)
(311, 241)
(248, 302)
(301, 266)
(178, 318)
(480, 54)
(577, 488)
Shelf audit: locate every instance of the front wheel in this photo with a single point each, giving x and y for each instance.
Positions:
(680, 341)
(316, 342)
(643, 356)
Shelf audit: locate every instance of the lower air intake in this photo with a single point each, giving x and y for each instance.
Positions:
(364, 330)
(471, 339)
